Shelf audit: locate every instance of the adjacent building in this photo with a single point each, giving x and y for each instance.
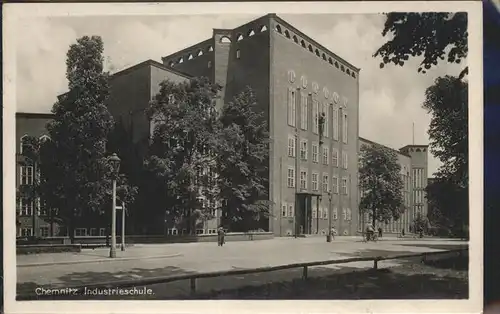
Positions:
(313, 162)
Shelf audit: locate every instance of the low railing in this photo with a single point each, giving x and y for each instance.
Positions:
(31, 295)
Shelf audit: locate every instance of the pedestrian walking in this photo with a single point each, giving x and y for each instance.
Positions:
(402, 233)
(333, 232)
(380, 232)
(220, 236)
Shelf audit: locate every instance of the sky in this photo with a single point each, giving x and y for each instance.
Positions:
(390, 98)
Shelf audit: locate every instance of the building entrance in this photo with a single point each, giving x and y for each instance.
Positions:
(303, 214)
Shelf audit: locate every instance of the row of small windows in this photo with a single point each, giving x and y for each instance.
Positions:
(286, 33)
(325, 159)
(24, 143)
(316, 185)
(190, 56)
(288, 210)
(250, 33)
(175, 231)
(328, 111)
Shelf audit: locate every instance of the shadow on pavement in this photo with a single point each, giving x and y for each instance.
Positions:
(438, 246)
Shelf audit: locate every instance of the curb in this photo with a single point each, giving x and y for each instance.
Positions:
(99, 260)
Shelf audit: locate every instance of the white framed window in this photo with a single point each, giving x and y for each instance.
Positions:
(315, 152)
(200, 231)
(25, 207)
(314, 213)
(344, 159)
(238, 54)
(93, 232)
(291, 177)
(325, 182)
(291, 209)
(80, 232)
(335, 184)
(335, 213)
(303, 111)
(26, 232)
(314, 181)
(344, 185)
(303, 149)
(344, 213)
(325, 213)
(291, 146)
(326, 111)
(26, 173)
(325, 155)
(344, 128)
(335, 157)
(335, 124)
(303, 179)
(315, 115)
(291, 112)
(349, 216)
(44, 232)
(283, 210)
(102, 232)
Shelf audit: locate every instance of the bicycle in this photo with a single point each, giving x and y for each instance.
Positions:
(373, 238)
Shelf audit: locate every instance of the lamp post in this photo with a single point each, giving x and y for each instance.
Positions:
(329, 235)
(123, 227)
(115, 164)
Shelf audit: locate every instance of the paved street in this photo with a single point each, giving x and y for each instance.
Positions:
(141, 261)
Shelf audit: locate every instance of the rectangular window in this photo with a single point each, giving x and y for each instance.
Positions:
(291, 210)
(238, 54)
(335, 213)
(335, 124)
(291, 177)
(283, 210)
(314, 213)
(335, 184)
(25, 207)
(291, 107)
(44, 232)
(335, 157)
(344, 185)
(102, 232)
(303, 111)
(93, 232)
(344, 128)
(303, 149)
(291, 146)
(315, 152)
(314, 181)
(325, 155)
(344, 159)
(344, 213)
(325, 213)
(326, 111)
(348, 214)
(80, 232)
(303, 179)
(26, 175)
(315, 114)
(325, 182)
(26, 232)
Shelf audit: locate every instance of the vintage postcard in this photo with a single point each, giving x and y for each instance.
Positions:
(243, 157)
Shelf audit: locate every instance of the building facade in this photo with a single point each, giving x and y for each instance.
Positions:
(413, 162)
(310, 99)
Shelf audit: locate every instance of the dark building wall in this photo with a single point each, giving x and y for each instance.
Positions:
(288, 57)
(192, 63)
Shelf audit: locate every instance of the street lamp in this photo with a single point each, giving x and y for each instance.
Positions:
(115, 164)
(329, 235)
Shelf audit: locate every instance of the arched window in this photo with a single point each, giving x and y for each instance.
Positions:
(287, 34)
(171, 64)
(190, 57)
(200, 52)
(23, 143)
(44, 138)
(278, 28)
(353, 75)
(336, 64)
(263, 28)
(251, 33)
(181, 60)
(295, 39)
(209, 64)
(324, 57)
(225, 40)
(210, 48)
(342, 68)
(317, 52)
(310, 48)
(348, 72)
(330, 60)
(239, 37)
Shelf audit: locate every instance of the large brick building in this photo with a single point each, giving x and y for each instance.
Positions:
(296, 80)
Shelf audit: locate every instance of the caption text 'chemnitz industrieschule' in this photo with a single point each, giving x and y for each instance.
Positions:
(295, 80)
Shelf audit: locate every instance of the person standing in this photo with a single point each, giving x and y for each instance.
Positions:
(220, 236)
(380, 232)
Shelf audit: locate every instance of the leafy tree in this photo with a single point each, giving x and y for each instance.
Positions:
(76, 167)
(420, 223)
(380, 183)
(435, 36)
(242, 162)
(182, 151)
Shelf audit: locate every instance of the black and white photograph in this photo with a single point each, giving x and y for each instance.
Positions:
(273, 153)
